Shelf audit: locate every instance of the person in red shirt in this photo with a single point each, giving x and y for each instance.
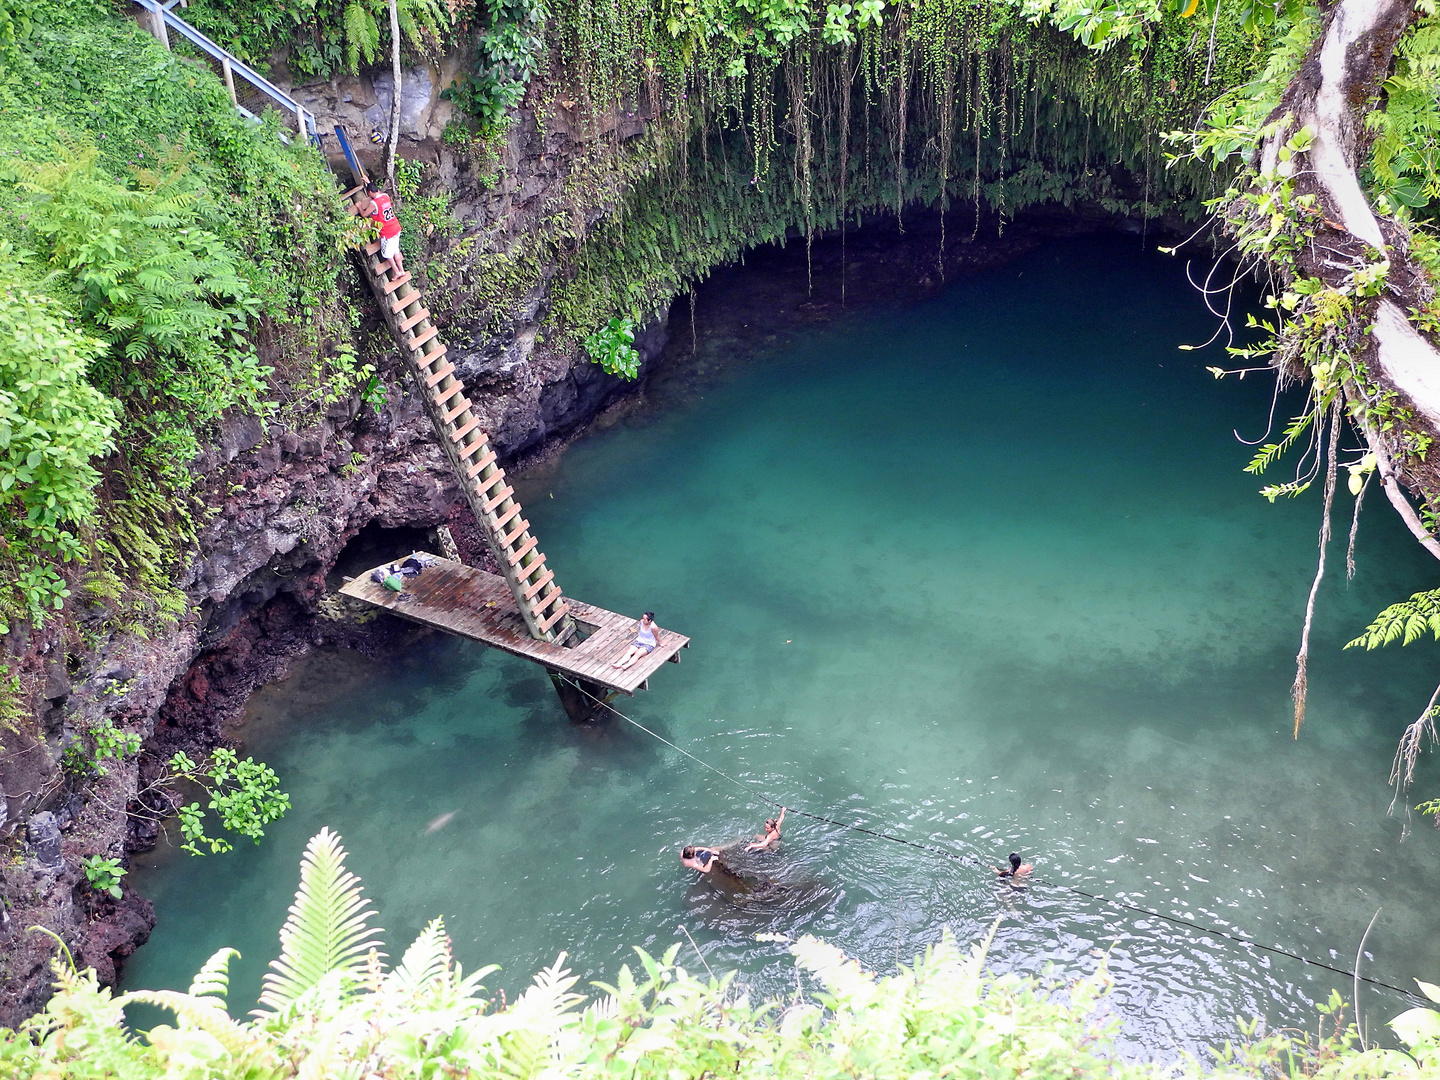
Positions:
(382, 212)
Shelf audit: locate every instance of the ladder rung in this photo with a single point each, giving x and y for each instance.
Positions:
(413, 319)
(542, 602)
(431, 356)
(394, 283)
(372, 247)
(523, 550)
(554, 617)
(490, 481)
(381, 266)
(515, 533)
(544, 579)
(465, 429)
(442, 396)
(435, 376)
(500, 496)
(425, 336)
(501, 522)
(457, 410)
(480, 466)
(402, 302)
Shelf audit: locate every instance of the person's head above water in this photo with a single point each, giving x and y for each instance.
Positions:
(1014, 861)
(771, 825)
(687, 852)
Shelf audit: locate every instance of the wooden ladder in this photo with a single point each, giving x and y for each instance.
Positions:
(468, 447)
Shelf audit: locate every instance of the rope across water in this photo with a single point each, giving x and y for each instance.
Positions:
(955, 856)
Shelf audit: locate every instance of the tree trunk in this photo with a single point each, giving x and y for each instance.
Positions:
(395, 96)
(1338, 83)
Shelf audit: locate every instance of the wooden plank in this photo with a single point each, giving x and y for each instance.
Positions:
(543, 602)
(500, 496)
(440, 373)
(501, 522)
(535, 586)
(480, 466)
(514, 534)
(490, 481)
(430, 357)
(457, 410)
(523, 550)
(390, 286)
(425, 335)
(554, 617)
(470, 448)
(440, 397)
(406, 324)
(372, 247)
(465, 429)
(402, 302)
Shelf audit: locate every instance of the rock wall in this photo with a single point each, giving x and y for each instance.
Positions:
(286, 502)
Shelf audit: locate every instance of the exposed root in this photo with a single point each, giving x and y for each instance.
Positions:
(1354, 528)
(1301, 687)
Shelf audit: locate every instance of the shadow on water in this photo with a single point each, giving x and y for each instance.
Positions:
(982, 572)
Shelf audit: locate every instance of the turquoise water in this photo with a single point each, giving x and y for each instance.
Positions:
(983, 571)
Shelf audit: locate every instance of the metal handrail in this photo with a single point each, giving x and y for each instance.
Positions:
(303, 116)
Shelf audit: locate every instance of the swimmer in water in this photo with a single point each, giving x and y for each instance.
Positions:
(1018, 870)
(771, 836)
(700, 858)
(707, 860)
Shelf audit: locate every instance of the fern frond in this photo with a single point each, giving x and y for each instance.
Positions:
(213, 980)
(1410, 619)
(362, 35)
(204, 1014)
(1270, 452)
(425, 962)
(327, 929)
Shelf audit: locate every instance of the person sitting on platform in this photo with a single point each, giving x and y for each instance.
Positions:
(1018, 870)
(643, 645)
(771, 837)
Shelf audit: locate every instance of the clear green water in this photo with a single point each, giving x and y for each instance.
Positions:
(983, 571)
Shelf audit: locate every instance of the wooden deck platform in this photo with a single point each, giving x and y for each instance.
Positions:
(477, 605)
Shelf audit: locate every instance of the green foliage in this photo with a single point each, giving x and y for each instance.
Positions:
(1409, 620)
(245, 795)
(104, 874)
(53, 423)
(85, 758)
(167, 296)
(508, 43)
(330, 1007)
(322, 38)
(154, 237)
(1404, 166)
(327, 936)
(613, 348)
(425, 218)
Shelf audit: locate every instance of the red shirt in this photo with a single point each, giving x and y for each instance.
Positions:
(384, 215)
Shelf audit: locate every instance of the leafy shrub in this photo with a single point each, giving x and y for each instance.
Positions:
(104, 874)
(613, 348)
(167, 296)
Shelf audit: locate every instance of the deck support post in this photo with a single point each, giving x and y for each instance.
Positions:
(583, 700)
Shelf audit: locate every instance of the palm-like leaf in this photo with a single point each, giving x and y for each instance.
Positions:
(425, 961)
(213, 980)
(204, 1013)
(327, 930)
